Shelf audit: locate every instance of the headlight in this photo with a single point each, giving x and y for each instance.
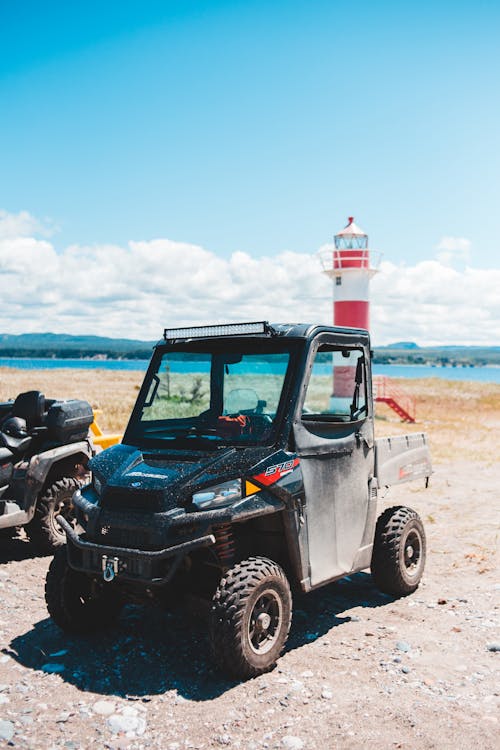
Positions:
(218, 496)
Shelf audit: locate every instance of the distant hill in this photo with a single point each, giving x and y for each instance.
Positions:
(405, 353)
(62, 345)
(401, 345)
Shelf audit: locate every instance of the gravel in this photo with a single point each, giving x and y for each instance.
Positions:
(149, 684)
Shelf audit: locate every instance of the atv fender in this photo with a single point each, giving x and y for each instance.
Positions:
(41, 464)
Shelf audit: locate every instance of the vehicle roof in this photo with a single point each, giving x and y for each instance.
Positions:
(289, 330)
(308, 330)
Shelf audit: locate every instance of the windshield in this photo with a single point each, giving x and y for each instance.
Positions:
(221, 397)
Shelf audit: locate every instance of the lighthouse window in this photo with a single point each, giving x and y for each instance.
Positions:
(337, 386)
(338, 280)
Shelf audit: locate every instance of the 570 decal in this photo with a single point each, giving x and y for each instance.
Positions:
(273, 473)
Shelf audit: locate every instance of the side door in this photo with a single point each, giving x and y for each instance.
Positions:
(333, 431)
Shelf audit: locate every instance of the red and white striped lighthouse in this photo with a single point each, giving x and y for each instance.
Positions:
(349, 267)
(351, 273)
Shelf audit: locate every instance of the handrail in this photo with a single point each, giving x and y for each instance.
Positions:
(333, 260)
(385, 390)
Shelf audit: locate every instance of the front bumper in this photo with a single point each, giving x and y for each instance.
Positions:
(128, 564)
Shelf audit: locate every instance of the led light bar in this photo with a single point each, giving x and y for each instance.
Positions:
(226, 329)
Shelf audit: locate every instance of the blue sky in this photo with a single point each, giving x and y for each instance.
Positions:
(254, 126)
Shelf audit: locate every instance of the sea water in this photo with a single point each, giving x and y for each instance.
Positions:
(482, 374)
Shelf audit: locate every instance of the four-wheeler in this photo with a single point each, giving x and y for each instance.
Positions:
(44, 452)
(248, 469)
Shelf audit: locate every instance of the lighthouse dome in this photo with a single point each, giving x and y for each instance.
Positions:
(351, 229)
(351, 237)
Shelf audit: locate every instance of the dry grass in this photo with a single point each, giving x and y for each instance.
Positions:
(113, 391)
(461, 418)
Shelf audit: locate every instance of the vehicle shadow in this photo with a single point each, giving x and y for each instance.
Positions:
(16, 548)
(316, 613)
(151, 651)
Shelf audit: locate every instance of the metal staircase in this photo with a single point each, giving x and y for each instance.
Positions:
(385, 391)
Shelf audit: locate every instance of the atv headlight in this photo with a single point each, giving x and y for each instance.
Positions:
(218, 496)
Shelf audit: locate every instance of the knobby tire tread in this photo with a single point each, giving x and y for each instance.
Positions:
(62, 588)
(385, 565)
(228, 611)
(40, 529)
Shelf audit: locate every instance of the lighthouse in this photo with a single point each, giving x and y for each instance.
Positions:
(350, 269)
(348, 265)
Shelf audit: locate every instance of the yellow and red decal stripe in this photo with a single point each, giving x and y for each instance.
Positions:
(274, 473)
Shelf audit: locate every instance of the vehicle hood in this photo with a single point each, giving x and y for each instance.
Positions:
(160, 480)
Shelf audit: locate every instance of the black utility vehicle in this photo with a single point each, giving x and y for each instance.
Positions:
(248, 467)
(44, 452)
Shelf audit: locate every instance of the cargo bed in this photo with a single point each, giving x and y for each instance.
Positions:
(402, 458)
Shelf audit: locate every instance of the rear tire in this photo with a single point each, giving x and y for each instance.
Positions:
(77, 602)
(250, 618)
(399, 550)
(43, 530)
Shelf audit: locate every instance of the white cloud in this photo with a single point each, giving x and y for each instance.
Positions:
(453, 243)
(451, 249)
(24, 224)
(434, 303)
(137, 290)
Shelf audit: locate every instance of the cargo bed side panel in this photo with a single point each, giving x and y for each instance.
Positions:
(402, 458)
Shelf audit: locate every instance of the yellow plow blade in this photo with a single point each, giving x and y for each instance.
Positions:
(104, 440)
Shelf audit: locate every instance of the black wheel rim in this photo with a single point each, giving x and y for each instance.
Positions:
(264, 622)
(412, 553)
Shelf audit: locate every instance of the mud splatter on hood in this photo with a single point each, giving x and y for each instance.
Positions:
(158, 480)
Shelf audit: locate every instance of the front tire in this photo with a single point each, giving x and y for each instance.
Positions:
(250, 618)
(43, 530)
(399, 551)
(76, 602)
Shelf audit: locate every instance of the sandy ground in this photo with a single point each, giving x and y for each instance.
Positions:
(359, 669)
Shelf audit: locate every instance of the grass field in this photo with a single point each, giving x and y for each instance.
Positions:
(462, 418)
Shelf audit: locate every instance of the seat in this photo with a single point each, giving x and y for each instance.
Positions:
(31, 407)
